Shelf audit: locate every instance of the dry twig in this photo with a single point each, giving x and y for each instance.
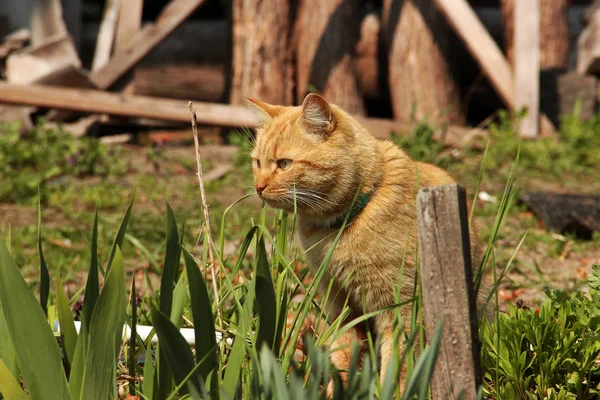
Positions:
(211, 258)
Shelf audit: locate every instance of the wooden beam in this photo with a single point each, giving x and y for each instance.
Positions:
(96, 101)
(527, 64)
(130, 22)
(448, 295)
(155, 108)
(106, 34)
(486, 53)
(123, 59)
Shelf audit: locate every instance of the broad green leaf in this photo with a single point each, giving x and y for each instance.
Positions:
(265, 298)
(7, 350)
(120, 233)
(175, 349)
(92, 286)
(204, 325)
(65, 318)
(44, 275)
(38, 355)
(78, 363)
(106, 330)
(9, 387)
(167, 284)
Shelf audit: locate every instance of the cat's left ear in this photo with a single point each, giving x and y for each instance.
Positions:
(268, 111)
(318, 115)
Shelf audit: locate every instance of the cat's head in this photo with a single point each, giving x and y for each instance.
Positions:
(309, 156)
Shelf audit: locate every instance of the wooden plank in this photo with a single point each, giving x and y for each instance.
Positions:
(34, 63)
(96, 101)
(527, 64)
(106, 34)
(588, 46)
(486, 53)
(46, 21)
(125, 58)
(447, 285)
(130, 22)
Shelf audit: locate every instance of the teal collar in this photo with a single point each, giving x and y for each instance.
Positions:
(358, 207)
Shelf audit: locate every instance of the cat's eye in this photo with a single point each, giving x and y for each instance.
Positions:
(257, 163)
(284, 163)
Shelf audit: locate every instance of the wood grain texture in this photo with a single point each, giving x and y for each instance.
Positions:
(325, 39)
(420, 77)
(262, 56)
(527, 65)
(446, 280)
(106, 34)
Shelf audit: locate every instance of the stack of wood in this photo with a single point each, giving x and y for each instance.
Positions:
(393, 62)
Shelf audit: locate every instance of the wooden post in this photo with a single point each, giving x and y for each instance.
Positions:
(447, 285)
(527, 64)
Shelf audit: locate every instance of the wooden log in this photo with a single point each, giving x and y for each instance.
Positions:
(366, 60)
(204, 82)
(262, 56)
(124, 59)
(96, 101)
(588, 46)
(527, 64)
(447, 285)
(326, 35)
(420, 78)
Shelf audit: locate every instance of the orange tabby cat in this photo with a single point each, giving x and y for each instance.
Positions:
(319, 157)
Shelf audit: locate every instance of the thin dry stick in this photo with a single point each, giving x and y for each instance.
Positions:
(211, 258)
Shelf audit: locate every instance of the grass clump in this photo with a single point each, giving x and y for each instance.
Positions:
(44, 157)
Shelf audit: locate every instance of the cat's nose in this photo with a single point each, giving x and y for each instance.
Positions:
(260, 187)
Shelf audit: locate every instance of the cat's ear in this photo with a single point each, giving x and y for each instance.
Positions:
(267, 111)
(317, 114)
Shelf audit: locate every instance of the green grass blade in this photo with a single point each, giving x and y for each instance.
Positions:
(204, 325)
(38, 353)
(175, 349)
(132, 339)
(106, 330)
(265, 298)
(8, 239)
(420, 378)
(167, 284)
(120, 233)
(92, 286)
(180, 299)
(9, 387)
(65, 318)
(148, 385)
(44, 274)
(78, 363)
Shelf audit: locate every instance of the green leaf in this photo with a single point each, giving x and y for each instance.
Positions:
(167, 283)
(120, 233)
(180, 297)
(265, 298)
(78, 363)
(420, 378)
(204, 325)
(175, 349)
(133, 336)
(44, 275)
(9, 387)
(148, 384)
(594, 277)
(7, 350)
(106, 330)
(38, 353)
(65, 318)
(92, 286)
